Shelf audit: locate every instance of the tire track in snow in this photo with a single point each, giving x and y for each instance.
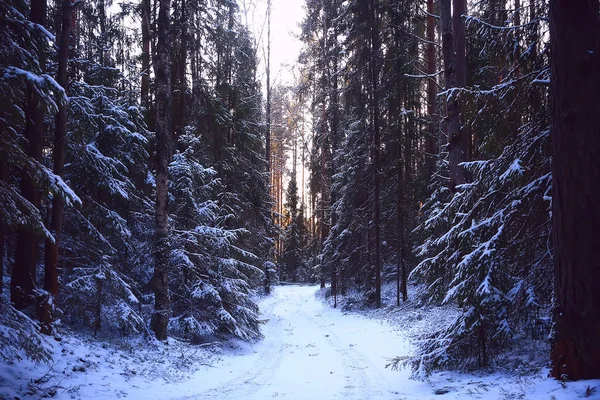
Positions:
(357, 368)
(302, 357)
(252, 379)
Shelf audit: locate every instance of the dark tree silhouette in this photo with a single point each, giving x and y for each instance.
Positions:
(575, 83)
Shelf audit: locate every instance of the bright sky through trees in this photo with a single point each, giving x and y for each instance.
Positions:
(286, 15)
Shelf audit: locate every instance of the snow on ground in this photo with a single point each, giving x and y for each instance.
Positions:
(310, 351)
(83, 368)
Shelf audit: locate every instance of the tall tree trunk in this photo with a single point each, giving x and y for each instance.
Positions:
(325, 142)
(267, 282)
(332, 48)
(400, 265)
(514, 118)
(146, 56)
(183, 48)
(376, 147)
(396, 119)
(534, 98)
(23, 277)
(160, 280)
(457, 152)
(459, 8)
(268, 71)
(2, 232)
(178, 68)
(323, 203)
(460, 48)
(431, 140)
(229, 71)
(575, 85)
(280, 171)
(60, 134)
(408, 189)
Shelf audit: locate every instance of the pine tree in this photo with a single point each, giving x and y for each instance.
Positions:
(103, 252)
(210, 279)
(29, 96)
(484, 246)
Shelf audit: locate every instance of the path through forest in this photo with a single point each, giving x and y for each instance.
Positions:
(310, 351)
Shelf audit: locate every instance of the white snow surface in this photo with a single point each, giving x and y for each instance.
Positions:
(310, 351)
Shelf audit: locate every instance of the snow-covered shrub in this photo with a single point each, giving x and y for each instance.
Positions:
(20, 335)
(211, 286)
(98, 297)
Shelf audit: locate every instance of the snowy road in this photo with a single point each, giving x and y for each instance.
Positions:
(310, 351)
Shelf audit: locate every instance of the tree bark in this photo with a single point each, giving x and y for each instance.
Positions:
(178, 68)
(2, 232)
(23, 277)
(376, 147)
(575, 85)
(145, 88)
(229, 71)
(457, 151)
(410, 133)
(431, 140)
(459, 8)
(268, 71)
(160, 280)
(267, 282)
(458, 25)
(331, 51)
(400, 264)
(60, 134)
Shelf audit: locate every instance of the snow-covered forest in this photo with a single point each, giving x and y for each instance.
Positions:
(414, 213)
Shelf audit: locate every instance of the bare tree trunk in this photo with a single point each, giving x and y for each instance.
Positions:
(330, 52)
(376, 147)
(323, 203)
(2, 231)
(268, 70)
(400, 267)
(280, 171)
(178, 68)
(458, 27)
(98, 322)
(453, 70)
(431, 140)
(268, 139)
(407, 190)
(575, 85)
(229, 71)
(514, 118)
(160, 280)
(23, 278)
(60, 135)
(183, 66)
(465, 144)
(145, 89)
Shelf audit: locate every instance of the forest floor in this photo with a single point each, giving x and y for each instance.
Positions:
(310, 351)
